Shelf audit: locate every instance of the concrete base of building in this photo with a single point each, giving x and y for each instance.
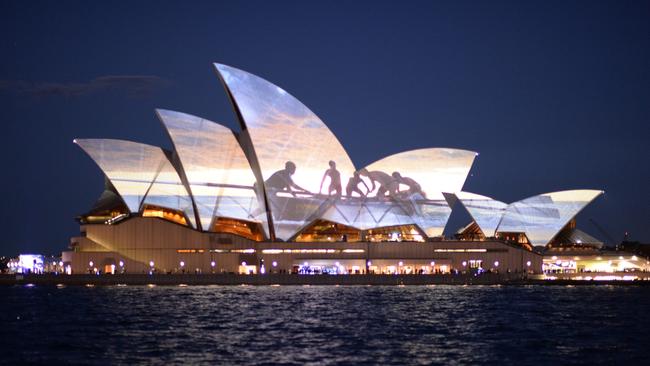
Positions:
(141, 245)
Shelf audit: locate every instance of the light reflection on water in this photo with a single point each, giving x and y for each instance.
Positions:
(325, 324)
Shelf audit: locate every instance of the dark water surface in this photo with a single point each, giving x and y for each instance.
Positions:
(325, 325)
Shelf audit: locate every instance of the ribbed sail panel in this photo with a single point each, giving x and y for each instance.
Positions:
(220, 177)
(412, 183)
(302, 163)
(542, 217)
(485, 211)
(140, 173)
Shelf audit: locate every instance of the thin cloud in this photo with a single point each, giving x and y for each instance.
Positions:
(134, 86)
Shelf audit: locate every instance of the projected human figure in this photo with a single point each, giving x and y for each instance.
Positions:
(335, 180)
(378, 178)
(414, 187)
(353, 186)
(281, 180)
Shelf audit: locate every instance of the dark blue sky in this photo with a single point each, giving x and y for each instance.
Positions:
(554, 95)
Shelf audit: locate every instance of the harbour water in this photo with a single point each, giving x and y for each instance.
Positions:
(325, 324)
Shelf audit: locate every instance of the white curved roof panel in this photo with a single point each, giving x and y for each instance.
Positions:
(541, 217)
(167, 190)
(140, 173)
(413, 182)
(219, 175)
(485, 211)
(293, 148)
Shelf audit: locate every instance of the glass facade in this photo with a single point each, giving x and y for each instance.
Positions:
(168, 191)
(220, 178)
(542, 217)
(302, 163)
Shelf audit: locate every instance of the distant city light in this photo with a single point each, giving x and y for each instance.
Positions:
(464, 263)
(182, 264)
(90, 264)
(151, 264)
(496, 263)
(212, 264)
(275, 264)
(121, 263)
(528, 263)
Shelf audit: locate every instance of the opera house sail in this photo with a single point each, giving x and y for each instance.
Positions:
(220, 178)
(485, 211)
(284, 177)
(141, 174)
(542, 217)
(409, 188)
(294, 150)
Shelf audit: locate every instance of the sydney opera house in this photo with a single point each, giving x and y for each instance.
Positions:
(282, 196)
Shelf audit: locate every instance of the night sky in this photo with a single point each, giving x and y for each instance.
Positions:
(553, 95)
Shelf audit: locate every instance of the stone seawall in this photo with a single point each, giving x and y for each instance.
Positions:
(267, 279)
(288, 279)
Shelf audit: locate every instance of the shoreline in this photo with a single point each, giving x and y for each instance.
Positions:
(296, 280)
